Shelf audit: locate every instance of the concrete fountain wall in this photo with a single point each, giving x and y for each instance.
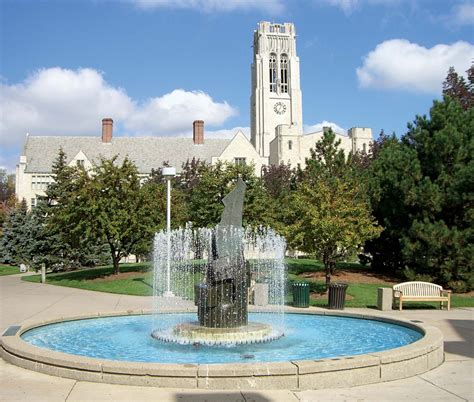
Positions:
(416, 358)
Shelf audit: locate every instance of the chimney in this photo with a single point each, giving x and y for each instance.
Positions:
(107, 128)
(198, 132)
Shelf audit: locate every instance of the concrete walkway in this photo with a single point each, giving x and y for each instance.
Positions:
(20, 301)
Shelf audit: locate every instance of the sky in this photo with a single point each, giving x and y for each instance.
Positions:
(154, 66)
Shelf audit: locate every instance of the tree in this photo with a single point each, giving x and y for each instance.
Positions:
(391, 178)
(68, 248)
(422, 192)
(7, 185)
(331, 213)
(110, 205)
(279, 183)
(14, 242)
(213, 183)
(457, 88)
(7, 195)
(440, 239)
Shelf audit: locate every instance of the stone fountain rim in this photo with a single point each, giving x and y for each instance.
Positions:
(406, 361)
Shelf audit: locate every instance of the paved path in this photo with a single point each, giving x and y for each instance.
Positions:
(20, 301)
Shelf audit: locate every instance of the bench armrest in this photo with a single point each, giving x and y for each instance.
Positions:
(397, 293)
(446, 291)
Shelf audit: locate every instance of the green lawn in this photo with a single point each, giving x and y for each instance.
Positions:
(138, 281)
(8, 270)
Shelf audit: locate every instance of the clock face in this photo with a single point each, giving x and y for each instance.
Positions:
(279, 108)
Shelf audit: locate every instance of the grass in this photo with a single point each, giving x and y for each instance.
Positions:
(8, 270)
(139, 283)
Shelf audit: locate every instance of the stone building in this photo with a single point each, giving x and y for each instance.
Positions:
(275, 105)
(276, 127)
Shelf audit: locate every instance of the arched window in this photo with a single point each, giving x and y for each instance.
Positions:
(273, 72)
(284, 73)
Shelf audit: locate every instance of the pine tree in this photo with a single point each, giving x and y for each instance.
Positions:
(422, 192)
(456, 87)
(14, 242)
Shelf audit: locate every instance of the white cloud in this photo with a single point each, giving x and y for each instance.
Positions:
(463, 14)
(58, 101)
(269, 6)
(307, 129)
(400, 64)
(228, 133)
(173, 112)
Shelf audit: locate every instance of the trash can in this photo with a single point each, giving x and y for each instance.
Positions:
(301, 294)
(337, 295)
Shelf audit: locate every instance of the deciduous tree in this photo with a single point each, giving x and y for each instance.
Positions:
(330, 210)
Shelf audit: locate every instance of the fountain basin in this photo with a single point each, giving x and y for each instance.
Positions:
(343, 371)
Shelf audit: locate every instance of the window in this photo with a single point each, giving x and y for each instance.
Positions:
(364, 148)
(273, 72)
(240, 161)
(290, 145)
(40, 182)
(80, 162)
(33, 202)
(284, 73)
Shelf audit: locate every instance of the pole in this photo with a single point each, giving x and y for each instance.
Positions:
(168, 292)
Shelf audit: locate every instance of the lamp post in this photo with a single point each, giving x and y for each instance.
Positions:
(168, 173)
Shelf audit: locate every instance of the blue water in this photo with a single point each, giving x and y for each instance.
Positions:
(127, 338)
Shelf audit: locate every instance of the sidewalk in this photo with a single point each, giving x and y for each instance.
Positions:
(20, 301)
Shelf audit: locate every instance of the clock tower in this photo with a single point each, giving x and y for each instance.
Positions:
(276, 93)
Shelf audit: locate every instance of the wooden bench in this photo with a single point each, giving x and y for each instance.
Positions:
(420, 291)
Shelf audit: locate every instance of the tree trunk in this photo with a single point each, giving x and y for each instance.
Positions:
(328, 277)
(329, 267)
(116, 260)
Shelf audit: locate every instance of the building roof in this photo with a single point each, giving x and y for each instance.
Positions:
(145, 152)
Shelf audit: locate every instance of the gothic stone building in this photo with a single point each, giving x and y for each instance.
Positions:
(276, 127)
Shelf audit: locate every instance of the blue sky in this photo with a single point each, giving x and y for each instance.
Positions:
(156, 65)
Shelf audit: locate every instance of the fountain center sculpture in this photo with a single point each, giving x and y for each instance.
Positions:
(223, 297)
(221, 293)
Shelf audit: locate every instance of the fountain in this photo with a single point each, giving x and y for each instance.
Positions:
(222, 297)
(226, 344)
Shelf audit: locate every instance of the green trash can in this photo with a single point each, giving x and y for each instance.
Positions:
(337, 296)
(301, 294)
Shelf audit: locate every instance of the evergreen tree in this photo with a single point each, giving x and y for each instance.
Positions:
(422, 192)
(14, 242)
(456, 87)
(69, 248)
